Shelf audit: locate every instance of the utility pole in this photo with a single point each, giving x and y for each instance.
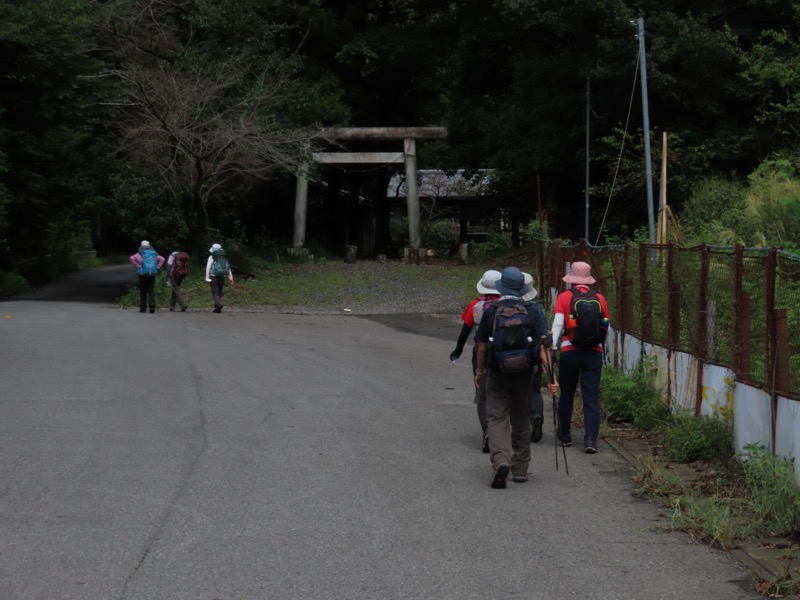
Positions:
(588, 114)
(646, 123)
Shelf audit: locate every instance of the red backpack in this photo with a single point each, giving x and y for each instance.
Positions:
(180, 265)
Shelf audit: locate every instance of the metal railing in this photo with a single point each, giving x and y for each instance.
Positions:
(731, 306)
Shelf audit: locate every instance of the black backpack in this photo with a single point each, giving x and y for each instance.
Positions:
(513, 346)
(586, 312)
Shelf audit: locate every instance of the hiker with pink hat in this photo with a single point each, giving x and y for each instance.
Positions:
(582, 315)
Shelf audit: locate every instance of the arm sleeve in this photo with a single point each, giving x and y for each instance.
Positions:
(558, 327)
(209, 262)
(462, 338)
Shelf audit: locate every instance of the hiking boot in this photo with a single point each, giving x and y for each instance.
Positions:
(152, 310)
(590, 446)
(171, 309)
(520, 477)
(499, 477)
(564, 438)
(536, 428)
(485, 443)
(142, 310)
(218, 309)
(183, 308)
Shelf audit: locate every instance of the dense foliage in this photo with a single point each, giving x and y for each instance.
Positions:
(182, 120)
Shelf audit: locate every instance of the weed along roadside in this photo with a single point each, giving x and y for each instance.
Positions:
(747, 504)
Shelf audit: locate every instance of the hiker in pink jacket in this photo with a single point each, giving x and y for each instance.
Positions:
(147, 262)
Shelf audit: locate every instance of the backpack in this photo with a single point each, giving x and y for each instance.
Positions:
(221, 266)
(180, 265)
(149, 266)
(586, 312)
(480, 307)
(513, 346)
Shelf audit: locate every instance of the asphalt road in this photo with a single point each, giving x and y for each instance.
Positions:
(269, 456)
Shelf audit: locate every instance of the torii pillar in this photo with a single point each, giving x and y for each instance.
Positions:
(409, 135)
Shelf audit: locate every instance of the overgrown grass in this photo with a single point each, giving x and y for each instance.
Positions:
(328, 286)
(723, 500)
(691, 438)
(632, 398)
(774, 496)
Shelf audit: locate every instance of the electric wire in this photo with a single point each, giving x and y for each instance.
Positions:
(621, 149)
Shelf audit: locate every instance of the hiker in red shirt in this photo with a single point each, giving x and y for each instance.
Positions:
(471, 317)
(582, 314)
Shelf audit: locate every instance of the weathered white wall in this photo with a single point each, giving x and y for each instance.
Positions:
(749, 408)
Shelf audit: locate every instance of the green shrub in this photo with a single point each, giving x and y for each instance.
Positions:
(691, 438)
(536, 232)
(12, 284)
(495, 244)
(775, 497)
(441, 236)
(632, 398)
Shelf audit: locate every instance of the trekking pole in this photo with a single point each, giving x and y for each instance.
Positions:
(550, 371)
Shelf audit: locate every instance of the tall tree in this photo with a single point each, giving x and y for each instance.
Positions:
(52, 127)
(205, 88)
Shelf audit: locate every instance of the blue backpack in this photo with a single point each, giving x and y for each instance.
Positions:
(513, 345)
(220, 266)
(149, 266)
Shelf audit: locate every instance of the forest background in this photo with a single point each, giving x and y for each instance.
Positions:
(186, 121)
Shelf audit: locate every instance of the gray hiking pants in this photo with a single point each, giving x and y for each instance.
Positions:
(508, 415)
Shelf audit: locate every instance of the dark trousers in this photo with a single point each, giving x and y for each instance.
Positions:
(586, 366)
(147, 291)
(217, 287)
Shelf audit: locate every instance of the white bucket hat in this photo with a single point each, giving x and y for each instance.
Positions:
(487, 283)
(529, 282)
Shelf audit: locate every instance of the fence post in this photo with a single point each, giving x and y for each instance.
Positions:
(673, 303)
(741, 309)
(702, 333)
(645, 300)
(771, 343)
(626, 304)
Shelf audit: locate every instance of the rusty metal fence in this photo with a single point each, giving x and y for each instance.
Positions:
(731, 306)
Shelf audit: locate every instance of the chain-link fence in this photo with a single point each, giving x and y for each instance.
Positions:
(726, 305)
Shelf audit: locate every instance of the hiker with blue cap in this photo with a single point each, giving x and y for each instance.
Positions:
(511, 340)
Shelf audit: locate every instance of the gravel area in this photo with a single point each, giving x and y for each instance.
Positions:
(391, 288)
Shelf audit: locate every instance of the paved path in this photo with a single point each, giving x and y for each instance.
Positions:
(264, 456)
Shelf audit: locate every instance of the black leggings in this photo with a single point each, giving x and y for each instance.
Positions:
(147, 291)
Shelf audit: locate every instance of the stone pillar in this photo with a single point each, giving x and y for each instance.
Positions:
(463, 253)
(412, 192)
(300, 209)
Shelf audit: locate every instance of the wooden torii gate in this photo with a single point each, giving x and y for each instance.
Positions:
(409, 135)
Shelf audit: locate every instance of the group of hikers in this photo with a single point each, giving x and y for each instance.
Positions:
(148, 263)
(514, 345)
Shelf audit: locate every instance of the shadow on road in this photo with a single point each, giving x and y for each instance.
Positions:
(100, 284)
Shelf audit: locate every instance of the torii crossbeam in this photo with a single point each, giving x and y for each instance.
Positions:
(409, 135)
